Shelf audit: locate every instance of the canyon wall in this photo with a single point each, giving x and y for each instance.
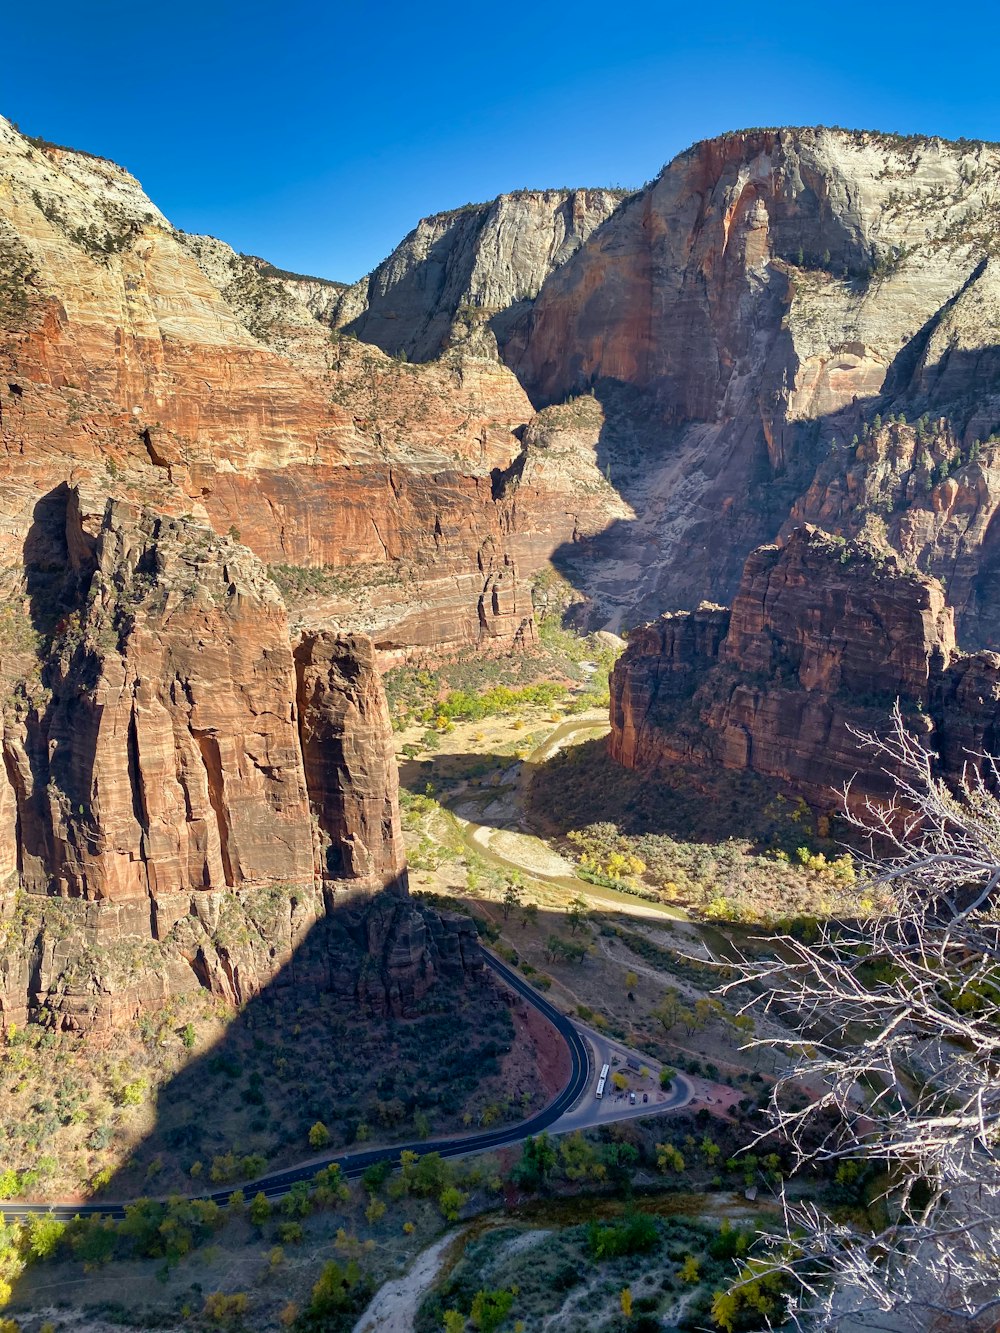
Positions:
(214, 481)
(823, 637)
(166, 369)
(184, 797)
(469, 268)
(751, 322)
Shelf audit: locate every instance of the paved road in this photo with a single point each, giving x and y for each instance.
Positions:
(568, 1111)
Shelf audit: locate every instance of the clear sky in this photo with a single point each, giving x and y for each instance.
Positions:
(317, 134)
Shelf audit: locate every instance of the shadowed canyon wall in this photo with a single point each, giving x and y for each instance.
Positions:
(184, 796)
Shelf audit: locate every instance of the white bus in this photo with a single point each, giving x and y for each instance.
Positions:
(605, 1069)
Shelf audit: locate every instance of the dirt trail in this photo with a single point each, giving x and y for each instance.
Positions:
(394, 1306)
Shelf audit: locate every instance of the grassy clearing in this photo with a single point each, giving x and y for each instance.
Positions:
(567, 670)
(728, 846)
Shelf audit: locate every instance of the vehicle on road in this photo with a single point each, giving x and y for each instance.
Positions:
(602, 1081)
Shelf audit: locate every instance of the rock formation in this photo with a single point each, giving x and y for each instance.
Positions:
(770, 296)
(823, 637)
(349, 758)
(184, 798)
(166, 369)
(478, 265)
(786, 327)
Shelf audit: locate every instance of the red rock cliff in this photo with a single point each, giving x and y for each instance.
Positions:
(166, 770)
(823, 637)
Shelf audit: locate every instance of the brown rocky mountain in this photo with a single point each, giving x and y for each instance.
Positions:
(786, 326)
(214, 482)
(757, 323)
(180, 761)
(183, 796)
(823, 637)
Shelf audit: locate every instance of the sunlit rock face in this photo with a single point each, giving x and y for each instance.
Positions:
(167, 369)
(769, 297)
(822, 639)
(471, 270)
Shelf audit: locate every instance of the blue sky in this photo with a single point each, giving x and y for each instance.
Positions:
(317, 134)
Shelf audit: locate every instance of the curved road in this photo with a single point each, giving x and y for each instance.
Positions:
(353, 1164)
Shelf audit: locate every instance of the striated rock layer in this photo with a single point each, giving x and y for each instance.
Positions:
(184, 798)
(477, 266)
(168, 370)
(823, 637)
(750, 321)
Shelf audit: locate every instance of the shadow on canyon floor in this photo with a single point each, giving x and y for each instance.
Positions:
(583, 785)
(144, 1272)
(380, 1026)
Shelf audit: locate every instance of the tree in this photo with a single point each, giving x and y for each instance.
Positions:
(260, 1209)
(580, 1159)
(511, 898)
(625, 1300)
(669, 1158)
(490, 1309)
(538, 1160)
(631, 980)
(226, 1307)
(669, 1010)
(451, 1202)
(577, 915)
(621, 1159)
(905, 1003)
(690, 1270)
(319, 1135)
(333, 1291)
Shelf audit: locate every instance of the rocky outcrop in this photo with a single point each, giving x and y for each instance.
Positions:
(169, 370)
(768, 297)
(349, 758)
(185, 799)
(478, 265)
(404, 948)
(822, 639)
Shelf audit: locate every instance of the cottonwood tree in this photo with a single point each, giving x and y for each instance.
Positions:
(511, 898)
(899, 1024)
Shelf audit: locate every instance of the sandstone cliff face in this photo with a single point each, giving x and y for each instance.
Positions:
(932, 492)
(767, 295)
(185, 799)
(167, 369)
(822, 638)
(482, 263)
(349, 758)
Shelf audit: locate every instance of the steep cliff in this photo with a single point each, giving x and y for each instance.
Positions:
(771, 295)
(184, 799)
(481, 265)
(823, 637)
(167, 369)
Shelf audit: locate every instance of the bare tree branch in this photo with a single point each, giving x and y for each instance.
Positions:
(899, 1016)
